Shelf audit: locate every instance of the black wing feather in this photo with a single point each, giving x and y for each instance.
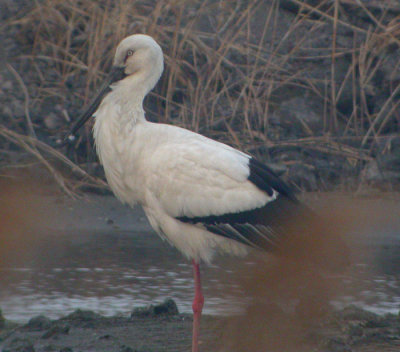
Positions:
(266, 179)
(261, 227)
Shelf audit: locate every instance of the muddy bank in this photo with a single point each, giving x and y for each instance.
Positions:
(162, 328)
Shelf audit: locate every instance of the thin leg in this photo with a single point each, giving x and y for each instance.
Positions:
(197, 307)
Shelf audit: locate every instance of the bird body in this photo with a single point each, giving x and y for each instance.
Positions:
(173, 173)
(201, 195)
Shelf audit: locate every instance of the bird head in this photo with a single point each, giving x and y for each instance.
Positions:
(138, 62)
(139, 53)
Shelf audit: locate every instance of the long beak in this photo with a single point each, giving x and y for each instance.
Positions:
(117, 73)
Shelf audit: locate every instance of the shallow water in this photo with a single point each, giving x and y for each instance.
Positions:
(113, 266)
(107, 273)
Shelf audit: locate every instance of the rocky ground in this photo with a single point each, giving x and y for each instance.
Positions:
(162, 328)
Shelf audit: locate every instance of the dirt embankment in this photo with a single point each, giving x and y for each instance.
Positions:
(312, 87)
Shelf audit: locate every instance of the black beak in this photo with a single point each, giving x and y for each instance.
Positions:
(117, 73)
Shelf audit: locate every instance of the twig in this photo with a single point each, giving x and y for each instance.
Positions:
(31, 145)
(333, 81)
(26, 102)
(380, 115)
(325, 15)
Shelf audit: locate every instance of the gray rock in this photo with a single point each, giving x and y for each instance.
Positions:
(337, 345)
(378, 322)
(385, 168)
(391, 65)
(355, 330)
(82, 315)
(17, 108)
(7, 85)
(125, 348)
(279, 169)
(7, 111)
(2, 320)
(56, 330)
(39, 322)
(168, 307)
(304, 176)
(355, 313)
(53, 121)
(303, 114)
(19, 344)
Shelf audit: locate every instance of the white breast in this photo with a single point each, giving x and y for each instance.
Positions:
(118, 148)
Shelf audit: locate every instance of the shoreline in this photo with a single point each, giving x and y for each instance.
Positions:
(161, 328)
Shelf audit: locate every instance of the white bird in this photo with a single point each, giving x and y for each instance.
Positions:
(200, 195)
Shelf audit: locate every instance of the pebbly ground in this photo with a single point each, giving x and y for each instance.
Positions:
(162, 328)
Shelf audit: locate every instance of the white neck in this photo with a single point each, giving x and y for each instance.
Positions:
(130, 92)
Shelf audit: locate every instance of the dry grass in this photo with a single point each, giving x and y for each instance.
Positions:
(228, 65)
(49, 157)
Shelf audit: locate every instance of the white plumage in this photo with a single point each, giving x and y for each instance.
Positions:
(199, 194)
(170, 171)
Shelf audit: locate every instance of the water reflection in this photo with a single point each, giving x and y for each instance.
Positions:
(107, 273)
(112, 272)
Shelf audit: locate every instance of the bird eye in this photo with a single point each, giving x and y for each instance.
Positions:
(129, 53)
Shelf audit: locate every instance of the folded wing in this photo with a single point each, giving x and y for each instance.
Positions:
(231, 194)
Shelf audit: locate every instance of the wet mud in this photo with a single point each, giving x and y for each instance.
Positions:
(162, 328)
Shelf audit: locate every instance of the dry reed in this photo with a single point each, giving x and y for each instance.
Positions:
(221, 78)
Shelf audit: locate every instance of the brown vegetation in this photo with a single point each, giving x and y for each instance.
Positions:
(288, 81)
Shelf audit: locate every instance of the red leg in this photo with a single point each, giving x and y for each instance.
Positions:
(197, 307)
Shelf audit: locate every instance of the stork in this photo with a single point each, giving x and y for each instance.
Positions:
(200, 195)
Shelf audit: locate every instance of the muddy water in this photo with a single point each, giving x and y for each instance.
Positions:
(102, 256)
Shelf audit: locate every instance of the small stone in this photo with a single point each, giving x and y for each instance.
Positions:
(52, 121)
(2, 320)
(56, 330)
(168, 307)
(125, 348)
(337, 345)
(355, 330)
(302, 115)
(17, 109)
(279, 169)
(304, 176)
(106, 337)
(383, 169)
(353, 312)
(7, 85)
(7, 111)
(110, 221)
(377, 323)
(19, 344)
(38, 323)
(82, 315)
